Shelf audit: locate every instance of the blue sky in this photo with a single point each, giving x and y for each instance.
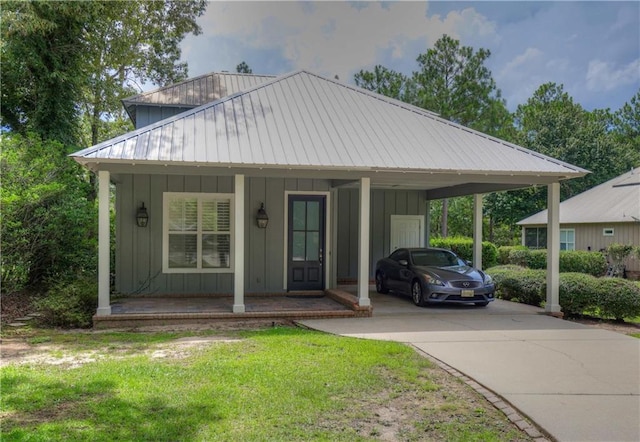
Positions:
(592, 48)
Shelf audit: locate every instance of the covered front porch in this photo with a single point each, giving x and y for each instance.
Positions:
(212, 310)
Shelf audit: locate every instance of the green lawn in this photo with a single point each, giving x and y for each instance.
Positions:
(281, 384)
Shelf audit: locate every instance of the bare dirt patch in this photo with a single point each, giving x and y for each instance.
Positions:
(19, 351)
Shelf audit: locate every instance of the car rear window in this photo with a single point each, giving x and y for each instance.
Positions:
(434, 258)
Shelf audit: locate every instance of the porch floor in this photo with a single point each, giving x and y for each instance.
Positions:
(137, 311)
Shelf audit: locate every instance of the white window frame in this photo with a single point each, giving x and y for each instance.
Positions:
(608, 231)
(166, 198)
(570, 245)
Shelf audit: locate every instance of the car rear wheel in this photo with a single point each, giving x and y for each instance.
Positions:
(380, 287)
(416, 293)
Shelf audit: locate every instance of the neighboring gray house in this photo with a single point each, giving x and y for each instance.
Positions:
(605, 214)
(344, 175)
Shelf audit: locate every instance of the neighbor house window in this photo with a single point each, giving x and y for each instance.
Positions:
(535, 237)
(197, 232)
(567, 239)
(607, 231)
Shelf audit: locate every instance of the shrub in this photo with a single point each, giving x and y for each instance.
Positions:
(70, 304)
(463, 247)
(504, 251)
(514, 283)
(49, 229)
(577, 293)
(537, 259)
(592, 263)
(617, 298)
(576, 261)
(519, 256)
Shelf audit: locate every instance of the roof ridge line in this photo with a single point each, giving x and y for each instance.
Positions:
(128, 99)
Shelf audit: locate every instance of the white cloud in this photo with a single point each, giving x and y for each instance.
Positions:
(604, 76)
(338, 38)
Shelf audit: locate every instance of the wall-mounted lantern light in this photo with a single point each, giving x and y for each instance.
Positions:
(142, 217)
(262, 218)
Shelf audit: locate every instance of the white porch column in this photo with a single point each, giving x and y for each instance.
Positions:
(363, 243)
(104, 301)
(553, 249)
(427, 223)
(238, 246)
(477, 231)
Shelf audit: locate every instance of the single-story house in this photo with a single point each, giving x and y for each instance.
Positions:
(343, 175)
(594, 219)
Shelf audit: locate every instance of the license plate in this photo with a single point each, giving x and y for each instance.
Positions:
(466, 293)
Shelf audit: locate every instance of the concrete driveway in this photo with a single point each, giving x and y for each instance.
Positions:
(576, 382)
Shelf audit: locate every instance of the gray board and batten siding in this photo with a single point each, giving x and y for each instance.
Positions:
(384, 203)
(139, 250)
(138, 266)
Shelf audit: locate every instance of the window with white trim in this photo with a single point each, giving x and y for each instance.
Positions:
(607, 231)
(567, 239)
(198, 235)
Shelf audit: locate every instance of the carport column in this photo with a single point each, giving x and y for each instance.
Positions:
(477, 231)
(238, 246)
(104, 301)
(363, 243)
(427, 223)
(553, 249)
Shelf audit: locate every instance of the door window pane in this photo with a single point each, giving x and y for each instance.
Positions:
(313, 215)
(299, 212)
(298, 246)
(313, 246)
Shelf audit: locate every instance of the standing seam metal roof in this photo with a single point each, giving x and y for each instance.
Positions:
(617, 200)
(304, 120)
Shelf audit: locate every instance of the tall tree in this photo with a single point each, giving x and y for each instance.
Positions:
(132, 43)
(386, 82)
(243, 68)
(42, 67)
(626, 132)
(454, 82)
(66, 58)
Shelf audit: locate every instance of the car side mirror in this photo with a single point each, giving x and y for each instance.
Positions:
(403, 262)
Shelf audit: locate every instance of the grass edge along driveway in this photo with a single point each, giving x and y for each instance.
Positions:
(278, 384)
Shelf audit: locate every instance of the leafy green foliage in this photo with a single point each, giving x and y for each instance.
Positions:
(504, 253)
(69, 304)
(243, 68)
(592, 263)
(127, 44)
(48, 224)
(386, 82)
(618, 298)
(42, 67)
(519, 284)
(67, 60)
(453, 81)
(579, 293)
(463, 247)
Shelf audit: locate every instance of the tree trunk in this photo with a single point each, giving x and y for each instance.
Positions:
(445, 215)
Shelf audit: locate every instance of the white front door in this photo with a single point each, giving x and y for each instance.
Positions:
(407, 231)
